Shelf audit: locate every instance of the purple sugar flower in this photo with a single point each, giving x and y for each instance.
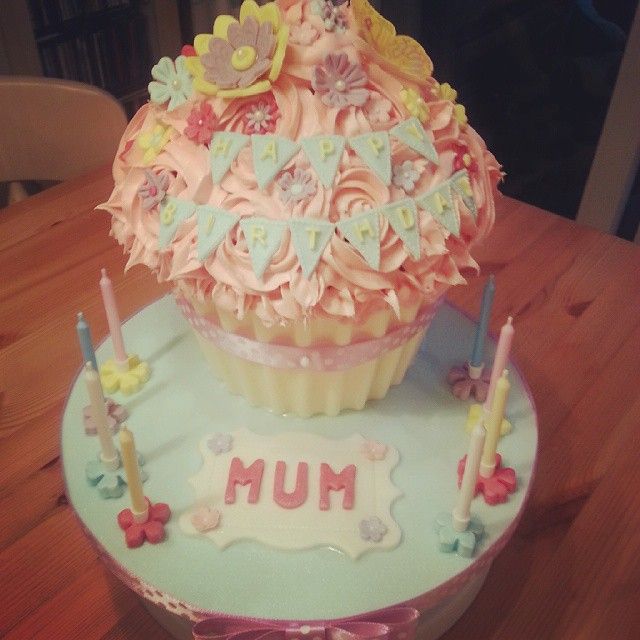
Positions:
(339, 83)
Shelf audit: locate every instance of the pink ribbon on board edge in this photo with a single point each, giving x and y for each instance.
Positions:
(397, 623)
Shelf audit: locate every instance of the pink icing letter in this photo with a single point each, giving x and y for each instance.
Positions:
(239, 475)
(299, 495)
(330, 481)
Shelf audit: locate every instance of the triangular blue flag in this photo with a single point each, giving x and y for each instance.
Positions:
(324, 153)
(412, 133)
(270, 154)
(462, 186)
(363, 232)
(375, 150)
(224, 149)
(263, 237)
(310, 237)
(173, 213)
(213, 226)
(439, 203)
(403, 217)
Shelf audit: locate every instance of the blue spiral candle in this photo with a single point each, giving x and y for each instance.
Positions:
(84, 336)
(477, 356)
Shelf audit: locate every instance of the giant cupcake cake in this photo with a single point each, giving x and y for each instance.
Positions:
(303, 182)
(310, 191)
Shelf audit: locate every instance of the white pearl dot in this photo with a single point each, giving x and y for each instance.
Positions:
(340, 85)
(304, 629)
(305, 361)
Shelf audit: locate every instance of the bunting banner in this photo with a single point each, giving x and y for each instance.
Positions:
(439, 203)
(375, 150)
(263, 237)
(403, 218)
(363, 232)
(270, 154)
(213, 226)
(325, 153)
(310, 236)
(172, 214)
(412, 133)
(224, 149)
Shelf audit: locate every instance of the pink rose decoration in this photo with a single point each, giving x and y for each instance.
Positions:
(243, 58)
(201, 123)
(339, 83)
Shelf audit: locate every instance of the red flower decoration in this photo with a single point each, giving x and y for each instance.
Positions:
(463, 159)
(188, 50)
(496, 488)
(152, 530)
(201, 123)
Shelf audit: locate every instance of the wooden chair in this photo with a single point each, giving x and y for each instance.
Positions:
(54, 129)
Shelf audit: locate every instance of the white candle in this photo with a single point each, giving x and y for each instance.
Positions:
(139, 507)
(461, 512)
(499, 361)
(111, 309)
(108, 453)
(493, 424)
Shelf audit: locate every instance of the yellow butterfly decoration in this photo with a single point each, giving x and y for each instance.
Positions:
(402, 51)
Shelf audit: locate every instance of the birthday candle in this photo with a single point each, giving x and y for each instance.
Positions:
(499, 361)
(84, 336)
(477, 355)
(139, 506)
(108, 453)
(111, 309)
(493, 424)
(461, 513)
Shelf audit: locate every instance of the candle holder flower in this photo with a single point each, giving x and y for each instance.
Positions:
(110, 483)
(462, 542)
(116, 415)
(127, 377)
(152, 529)
(466, 381)
(476, 413)
(497, 487)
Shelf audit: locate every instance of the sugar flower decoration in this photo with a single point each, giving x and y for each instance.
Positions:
(378, 109)
(116, 415)
(153, 142)
(405, 176)
(339, 82)
(372, 529)
(220, 443)
(154, 188)
(296, 186)
(172, 82)
(201, 123)
(445, 91)
(240, 58)
(260, 117)
(152, 530)
(402, 52)
(333, 18)
(373, 450)
(463, 159)
(460, 114)
(415, 104)
(205, 519)
(303, 34)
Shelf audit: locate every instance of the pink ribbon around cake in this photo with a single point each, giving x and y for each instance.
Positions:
(323, 358)
(397, 623)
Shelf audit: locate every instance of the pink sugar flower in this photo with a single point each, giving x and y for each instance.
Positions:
(260, 117)
(297, 186)
(241, 59)
(154, 188)
(377, 109)
(339, 82)
(201, 123)
(303, 34)
(205, 519)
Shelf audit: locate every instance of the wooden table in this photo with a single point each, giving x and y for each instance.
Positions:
(571, 571)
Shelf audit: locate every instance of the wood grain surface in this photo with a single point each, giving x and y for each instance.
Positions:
(572, 569)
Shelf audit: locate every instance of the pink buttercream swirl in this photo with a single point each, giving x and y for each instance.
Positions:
(343, 284)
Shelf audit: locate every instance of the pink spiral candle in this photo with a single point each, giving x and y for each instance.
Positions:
(500, 360)
(109, 300)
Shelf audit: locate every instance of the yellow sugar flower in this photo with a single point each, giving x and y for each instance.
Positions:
(153, 142)
(445, 91)
(415, 104)
(240, 58)
(460, 114)
(402, 52)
